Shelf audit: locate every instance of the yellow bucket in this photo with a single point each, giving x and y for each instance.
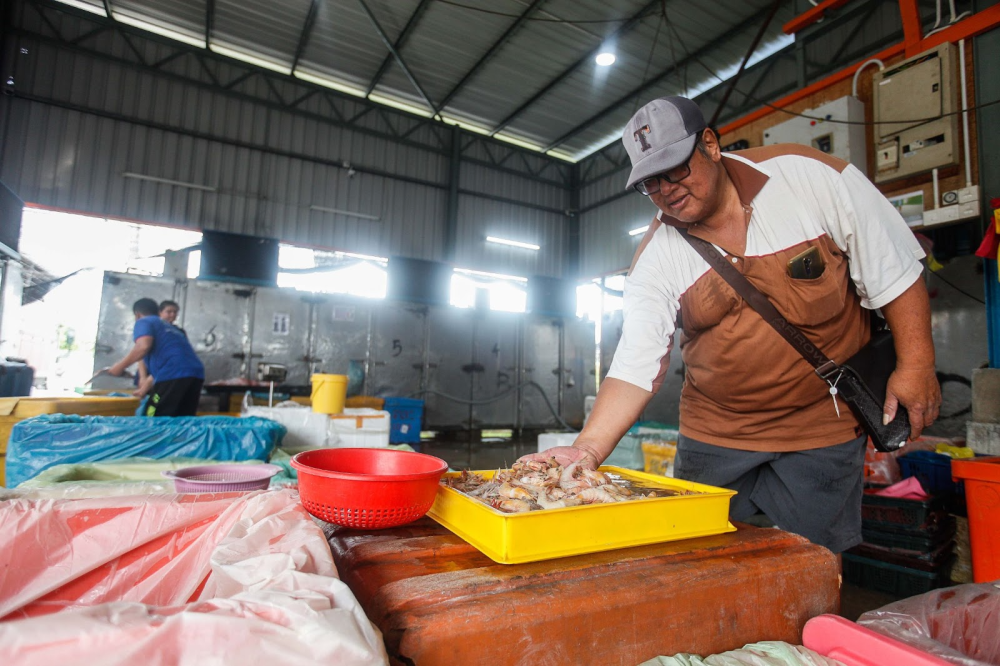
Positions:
(329, 393)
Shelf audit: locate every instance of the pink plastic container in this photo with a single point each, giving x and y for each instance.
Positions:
(838, 638)
(222, 478)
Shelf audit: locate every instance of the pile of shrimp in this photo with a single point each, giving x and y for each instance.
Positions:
(532, 485)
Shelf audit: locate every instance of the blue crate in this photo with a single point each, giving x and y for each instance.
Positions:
(933, 470)
(405, 416)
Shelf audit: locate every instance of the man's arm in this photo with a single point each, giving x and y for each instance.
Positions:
(617, 407)
(139, 351)
(914, 383)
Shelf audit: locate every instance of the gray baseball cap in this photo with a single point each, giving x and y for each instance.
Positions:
(661, 135)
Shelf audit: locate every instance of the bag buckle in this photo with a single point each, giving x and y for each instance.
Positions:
(827, 369)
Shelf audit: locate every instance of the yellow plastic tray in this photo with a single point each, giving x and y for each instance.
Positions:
(513, 538)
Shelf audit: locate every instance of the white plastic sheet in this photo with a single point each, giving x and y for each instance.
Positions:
(765, 653)
(175, 579)
(959, 624)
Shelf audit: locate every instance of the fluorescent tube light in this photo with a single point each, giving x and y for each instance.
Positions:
(560, 155)
(87, 7)
(469, 271)
(464, 125)
(402, 106)
(640, 230)
(518, 142)
(351, 213)
(167, 181)
(512, 243)
(163, 32)
(329, 83)
(252, 59)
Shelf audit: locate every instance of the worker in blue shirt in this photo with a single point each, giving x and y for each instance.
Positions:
(177, 372)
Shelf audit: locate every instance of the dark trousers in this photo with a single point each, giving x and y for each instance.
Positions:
(174, 397)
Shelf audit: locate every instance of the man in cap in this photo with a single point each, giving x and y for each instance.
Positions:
(754, 416)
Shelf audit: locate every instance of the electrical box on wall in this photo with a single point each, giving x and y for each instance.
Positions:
(845, 140)
(903, 96)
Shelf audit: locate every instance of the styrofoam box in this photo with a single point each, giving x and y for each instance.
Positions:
(359, 428)
(306, 429)
(548, 440)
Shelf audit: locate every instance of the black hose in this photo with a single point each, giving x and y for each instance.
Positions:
(501, 396)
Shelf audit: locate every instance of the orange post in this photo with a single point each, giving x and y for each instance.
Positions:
(912, 31)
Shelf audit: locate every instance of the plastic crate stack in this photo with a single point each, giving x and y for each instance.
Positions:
(909, 545)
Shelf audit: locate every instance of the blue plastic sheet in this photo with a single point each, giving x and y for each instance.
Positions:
(56, 439)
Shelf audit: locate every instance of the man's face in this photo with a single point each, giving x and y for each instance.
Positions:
(169, 314)
(696, 197)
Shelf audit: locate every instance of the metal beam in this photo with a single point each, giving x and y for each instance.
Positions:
(411, 23)
(209, 21)
(107, 8)
(676, 67)
(306, 32)
(492, 50)
(628, 25)
(399, 59)
(753, 47)
(179, 50)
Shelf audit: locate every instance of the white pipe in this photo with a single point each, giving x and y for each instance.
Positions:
(854, 86)
(937, 194)
(965, 113)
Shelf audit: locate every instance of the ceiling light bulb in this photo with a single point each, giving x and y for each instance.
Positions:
(605, 59)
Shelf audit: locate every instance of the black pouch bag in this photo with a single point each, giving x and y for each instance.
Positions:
(862, 384)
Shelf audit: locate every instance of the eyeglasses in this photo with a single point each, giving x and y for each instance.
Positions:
(651, 185)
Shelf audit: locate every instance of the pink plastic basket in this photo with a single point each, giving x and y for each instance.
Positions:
(222, 478)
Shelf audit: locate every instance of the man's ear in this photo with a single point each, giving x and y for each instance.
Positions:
(711, 142)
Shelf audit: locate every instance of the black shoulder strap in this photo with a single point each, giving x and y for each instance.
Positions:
(759, 302)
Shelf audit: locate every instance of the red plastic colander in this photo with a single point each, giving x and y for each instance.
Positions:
(367, 488)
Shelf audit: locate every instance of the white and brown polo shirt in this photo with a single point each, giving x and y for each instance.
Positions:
(745, 387)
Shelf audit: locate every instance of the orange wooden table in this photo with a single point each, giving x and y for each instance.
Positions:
(438, 600)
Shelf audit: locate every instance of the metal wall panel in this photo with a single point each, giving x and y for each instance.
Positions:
(605, 244)
(578, 369)
(479, 218)
(217, 318)
(449, 349)
(541, 365)
(341, 334)
(494, 365)
(477, 178)
(116, 321)
(397, 349)
(274, 344)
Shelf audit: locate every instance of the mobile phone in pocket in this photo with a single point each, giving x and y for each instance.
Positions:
(807, 265)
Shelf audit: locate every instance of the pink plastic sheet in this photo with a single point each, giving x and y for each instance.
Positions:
(961, 624)
(174, 579)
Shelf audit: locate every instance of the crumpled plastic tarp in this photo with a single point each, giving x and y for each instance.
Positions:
(765, 653)
(53, 439)
(175, 579)
(117, 471)
(959, 624)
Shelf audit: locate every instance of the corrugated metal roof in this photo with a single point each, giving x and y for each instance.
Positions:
(538, 84)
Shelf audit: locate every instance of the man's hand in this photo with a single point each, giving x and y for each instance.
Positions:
(145, 386)
(115, 370)
(567, 455)
(918, 390)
